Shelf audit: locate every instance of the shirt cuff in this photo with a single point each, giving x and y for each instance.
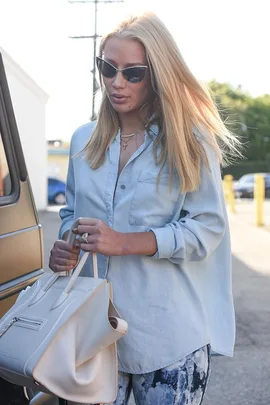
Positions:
(165, 242)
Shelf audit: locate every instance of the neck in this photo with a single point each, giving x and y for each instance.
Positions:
(130, 123)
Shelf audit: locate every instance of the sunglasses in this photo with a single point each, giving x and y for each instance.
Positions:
(133, 74)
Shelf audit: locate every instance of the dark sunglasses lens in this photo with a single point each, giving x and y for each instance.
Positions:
(105, 68)
(134, 75)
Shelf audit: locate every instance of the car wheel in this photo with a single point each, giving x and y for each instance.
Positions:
(60, 199)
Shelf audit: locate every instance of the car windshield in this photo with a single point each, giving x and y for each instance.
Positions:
(250, 178)
(247, 179)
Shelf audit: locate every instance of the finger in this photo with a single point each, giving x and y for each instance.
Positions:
(84, 224)
(87, 221)
(91, 239)
(89, 247)
(63, 254)
(63, 245)
(58, 268)
(90, 229)
(65, 262)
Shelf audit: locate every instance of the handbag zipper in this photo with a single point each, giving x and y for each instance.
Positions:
(30, 321)
(7, 326)
(19, 319)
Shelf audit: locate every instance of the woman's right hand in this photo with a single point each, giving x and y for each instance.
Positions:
(64, 256)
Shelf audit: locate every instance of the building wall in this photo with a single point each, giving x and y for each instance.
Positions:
(29, 103)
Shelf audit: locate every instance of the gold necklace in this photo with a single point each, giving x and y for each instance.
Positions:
(124, 142)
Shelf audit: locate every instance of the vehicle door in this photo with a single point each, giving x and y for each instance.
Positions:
(21, 245)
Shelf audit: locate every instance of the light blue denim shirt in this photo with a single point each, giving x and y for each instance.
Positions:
(181, 298)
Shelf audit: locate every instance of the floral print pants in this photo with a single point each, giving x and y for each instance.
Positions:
(182, 383)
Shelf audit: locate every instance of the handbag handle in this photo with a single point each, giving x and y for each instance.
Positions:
(71, 239)
(77, 270)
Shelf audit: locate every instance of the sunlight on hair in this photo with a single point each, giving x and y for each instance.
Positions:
(183, 109)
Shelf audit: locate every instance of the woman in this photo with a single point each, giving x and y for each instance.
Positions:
(145, 180)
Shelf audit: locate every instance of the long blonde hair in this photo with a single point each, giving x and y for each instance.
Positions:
(181, 104)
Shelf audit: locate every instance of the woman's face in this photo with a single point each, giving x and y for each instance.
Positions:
(126, 96)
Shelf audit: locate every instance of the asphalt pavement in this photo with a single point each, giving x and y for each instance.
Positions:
(245, 378)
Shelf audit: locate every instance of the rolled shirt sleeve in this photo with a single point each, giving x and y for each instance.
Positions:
(198, 233)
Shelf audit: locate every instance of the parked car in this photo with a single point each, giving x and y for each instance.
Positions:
(21, 248)
(56, 191)
(244, 187)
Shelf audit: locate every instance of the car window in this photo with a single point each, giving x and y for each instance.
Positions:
(5, 181)
(249, 178)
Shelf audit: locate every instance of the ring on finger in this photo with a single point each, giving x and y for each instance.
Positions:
(84, 237)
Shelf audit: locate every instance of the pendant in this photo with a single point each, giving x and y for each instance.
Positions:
(124, 145)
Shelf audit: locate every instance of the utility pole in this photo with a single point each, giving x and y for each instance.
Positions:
(94, 37)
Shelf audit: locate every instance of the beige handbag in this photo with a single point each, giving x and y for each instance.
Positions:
(61, 336)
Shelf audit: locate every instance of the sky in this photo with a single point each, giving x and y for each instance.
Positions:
(222, 40)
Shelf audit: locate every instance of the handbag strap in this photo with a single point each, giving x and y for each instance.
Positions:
(78, 268)
(71, 239)
(63, 296)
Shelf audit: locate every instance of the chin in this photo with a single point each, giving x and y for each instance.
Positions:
(121, 109)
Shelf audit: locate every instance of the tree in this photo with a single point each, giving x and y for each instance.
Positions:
(247, 117)
(257, 118)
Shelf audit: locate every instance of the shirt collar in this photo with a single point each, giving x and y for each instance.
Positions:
(154, 129)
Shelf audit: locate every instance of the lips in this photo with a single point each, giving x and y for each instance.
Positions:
(118, 98)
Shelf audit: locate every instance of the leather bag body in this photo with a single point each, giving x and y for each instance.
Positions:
(60, 337)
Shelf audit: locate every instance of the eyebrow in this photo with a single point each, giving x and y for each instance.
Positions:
(127, 64)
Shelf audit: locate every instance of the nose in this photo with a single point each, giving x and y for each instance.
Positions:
(119, 81)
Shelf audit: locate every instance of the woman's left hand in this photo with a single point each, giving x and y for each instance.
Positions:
(100, 239)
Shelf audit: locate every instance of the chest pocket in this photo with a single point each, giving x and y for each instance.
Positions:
(154, 205)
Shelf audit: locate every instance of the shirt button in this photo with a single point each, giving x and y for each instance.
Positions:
(123, 187)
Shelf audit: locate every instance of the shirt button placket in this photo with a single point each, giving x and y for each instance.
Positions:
(109, 198)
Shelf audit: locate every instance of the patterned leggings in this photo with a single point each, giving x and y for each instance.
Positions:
(182, 383)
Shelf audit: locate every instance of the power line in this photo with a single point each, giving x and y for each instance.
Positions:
(94, 37)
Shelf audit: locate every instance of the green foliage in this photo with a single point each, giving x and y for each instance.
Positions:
(247, 117)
